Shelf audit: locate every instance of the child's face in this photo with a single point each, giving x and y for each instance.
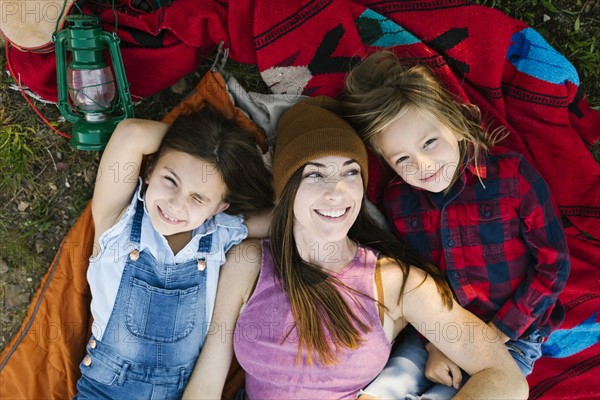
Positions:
(328, 199)
(183, 192)
(423, 151)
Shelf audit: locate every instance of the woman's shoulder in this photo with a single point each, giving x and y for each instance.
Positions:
(396, 273)
(392, 277)
(392, 274)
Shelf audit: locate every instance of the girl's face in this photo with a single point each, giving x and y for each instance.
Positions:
(328, 199)
(423, 151)
(183, 192)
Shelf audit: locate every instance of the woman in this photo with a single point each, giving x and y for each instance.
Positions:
(312, 312)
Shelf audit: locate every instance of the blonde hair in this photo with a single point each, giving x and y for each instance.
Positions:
(381, 89)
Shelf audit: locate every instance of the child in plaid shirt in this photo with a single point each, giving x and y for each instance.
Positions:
(483, 214)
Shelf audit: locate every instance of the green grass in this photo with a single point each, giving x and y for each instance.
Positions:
(15, 152)
(596, 151)
(37, 201)
(570, 26)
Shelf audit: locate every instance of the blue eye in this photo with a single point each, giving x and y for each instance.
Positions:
(353, 172)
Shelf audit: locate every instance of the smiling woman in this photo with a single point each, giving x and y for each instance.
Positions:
(327, 204)
(314, 315)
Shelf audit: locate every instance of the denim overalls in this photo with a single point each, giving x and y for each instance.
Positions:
(156, 329)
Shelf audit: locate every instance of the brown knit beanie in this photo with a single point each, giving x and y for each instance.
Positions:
(311, 129)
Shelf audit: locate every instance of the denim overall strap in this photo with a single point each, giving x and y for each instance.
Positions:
(205, 244)
(136, 229)
(156, 329)
(204, 248)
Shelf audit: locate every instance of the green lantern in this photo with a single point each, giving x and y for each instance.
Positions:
(98, 100)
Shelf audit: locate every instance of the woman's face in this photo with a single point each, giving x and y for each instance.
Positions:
(423, 151)
(328, 199)
(183, 192)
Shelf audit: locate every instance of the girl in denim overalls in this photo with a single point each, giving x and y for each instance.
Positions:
(161, 235)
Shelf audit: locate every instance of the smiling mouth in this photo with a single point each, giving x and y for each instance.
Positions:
(333, 213)
(432, 177)
(167, 218)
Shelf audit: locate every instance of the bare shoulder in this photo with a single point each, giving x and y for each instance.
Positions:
(391, 272)
(417, 279)
(393, 275)
(422, 297)
(409, 283)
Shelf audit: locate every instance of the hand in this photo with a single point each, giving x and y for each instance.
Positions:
(441, 369)
(496, 333)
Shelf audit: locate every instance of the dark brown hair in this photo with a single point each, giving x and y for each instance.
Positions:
(209, 135)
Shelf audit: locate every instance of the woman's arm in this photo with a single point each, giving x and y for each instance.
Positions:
(463, 338)
(258, 224)
(120, 166)
(236, 282)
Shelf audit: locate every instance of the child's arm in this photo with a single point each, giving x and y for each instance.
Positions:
(546, 244)
(236, 281)
(119, 168)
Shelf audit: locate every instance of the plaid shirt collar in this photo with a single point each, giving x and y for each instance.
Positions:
(479, 168)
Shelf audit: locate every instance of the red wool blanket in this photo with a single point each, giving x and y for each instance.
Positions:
(494, 61)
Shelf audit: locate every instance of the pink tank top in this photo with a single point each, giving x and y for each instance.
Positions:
(270, 362)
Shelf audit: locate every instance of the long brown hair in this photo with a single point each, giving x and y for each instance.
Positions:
(209, 135)
(317, 305)
(380, 89)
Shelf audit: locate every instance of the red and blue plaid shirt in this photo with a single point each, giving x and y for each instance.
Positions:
(500, 244)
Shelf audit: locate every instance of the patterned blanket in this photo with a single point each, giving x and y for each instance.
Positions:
(496, 62)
